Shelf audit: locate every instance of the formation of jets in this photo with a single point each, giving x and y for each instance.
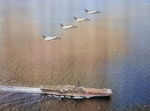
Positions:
(49, 38)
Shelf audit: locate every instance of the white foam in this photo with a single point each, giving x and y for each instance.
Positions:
(78, 97)
(20, 89)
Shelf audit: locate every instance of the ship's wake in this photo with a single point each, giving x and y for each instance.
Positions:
(20, 89)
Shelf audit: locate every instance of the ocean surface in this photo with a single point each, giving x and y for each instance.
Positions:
(112, 50)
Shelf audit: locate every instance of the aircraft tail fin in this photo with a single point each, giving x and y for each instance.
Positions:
(74, 17)
(61, 25)
(86, 10)
(43, 36)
